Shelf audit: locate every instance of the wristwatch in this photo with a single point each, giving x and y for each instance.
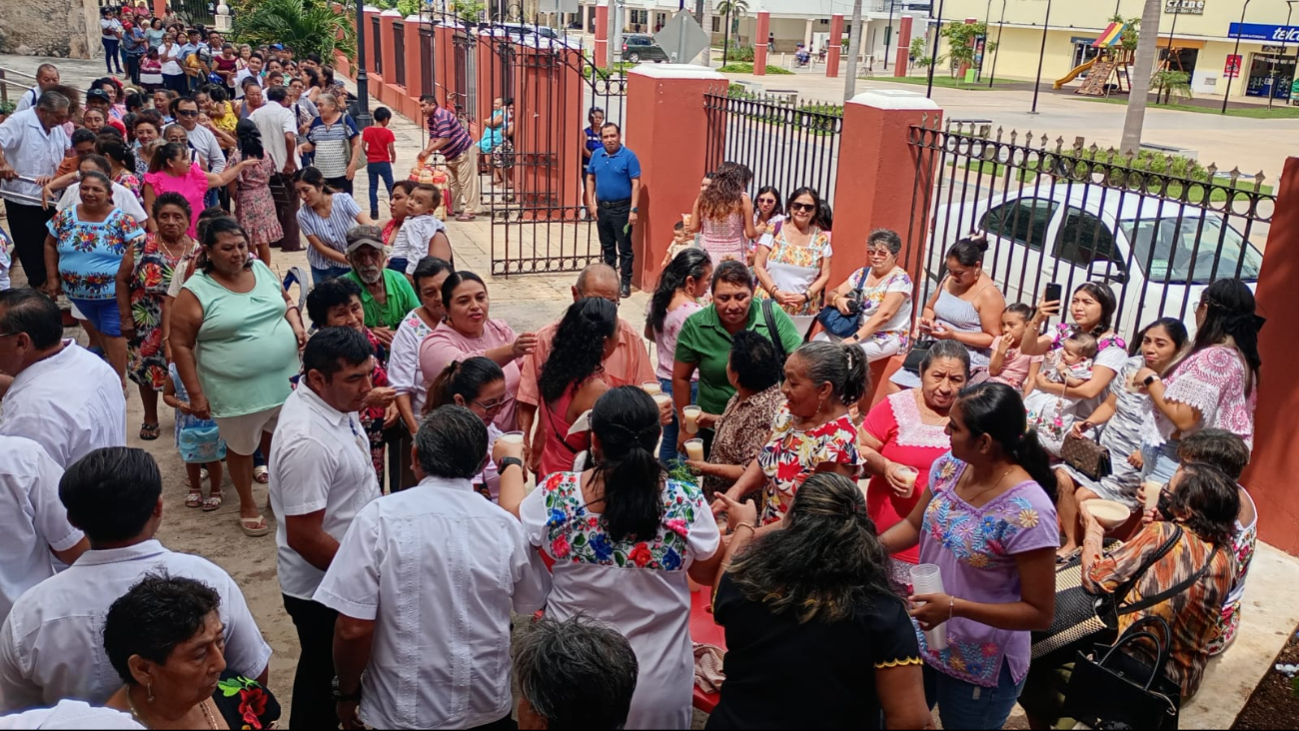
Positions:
(339, 697)
(510, 462)
(1149, 380)
(634, 209)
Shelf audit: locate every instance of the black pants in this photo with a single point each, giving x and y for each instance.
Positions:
(615, 236)
(313, 700)
(340, 184)
(27, 224)
(133, 66)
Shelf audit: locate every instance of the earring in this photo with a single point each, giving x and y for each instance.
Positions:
(149, 689)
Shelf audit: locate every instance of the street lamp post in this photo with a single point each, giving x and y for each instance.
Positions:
(888, 36)
(1240, 28)
(933, 55)
(992, 75)
(363, 118)
(1041, 56)
(1271, 87)
(987, 21)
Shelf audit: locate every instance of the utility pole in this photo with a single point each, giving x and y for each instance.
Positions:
(1041, 56)
(1143, 67)
(888, 36)
(854, 47)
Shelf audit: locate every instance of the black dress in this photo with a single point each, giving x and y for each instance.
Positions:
(782, 674)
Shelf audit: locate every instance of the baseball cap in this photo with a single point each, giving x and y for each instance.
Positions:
(277, 46)
(99, 95)
(364, 236)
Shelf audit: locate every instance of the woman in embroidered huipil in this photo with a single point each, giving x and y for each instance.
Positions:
(623, 536)
(988, 523)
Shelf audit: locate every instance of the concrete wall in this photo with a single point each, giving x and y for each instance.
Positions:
(61, 28)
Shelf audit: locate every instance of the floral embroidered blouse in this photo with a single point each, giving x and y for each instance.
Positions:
(90, 252)
(1213, 382)
(791, 456)
(636, 585)
(794, 268)
(975, 549)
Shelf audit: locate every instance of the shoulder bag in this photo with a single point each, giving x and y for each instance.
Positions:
(769, 316)
(1122, 691)
(838, 324)
(1087, 456)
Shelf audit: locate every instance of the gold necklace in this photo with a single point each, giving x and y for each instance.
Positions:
(130, 702)
(994, 486)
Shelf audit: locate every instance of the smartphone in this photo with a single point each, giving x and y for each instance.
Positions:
(1053, 293)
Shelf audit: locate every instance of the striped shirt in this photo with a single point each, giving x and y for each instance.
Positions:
(333, 145)
(331, 231)
(443, 125)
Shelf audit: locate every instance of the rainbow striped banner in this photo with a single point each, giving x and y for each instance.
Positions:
(1110, 36)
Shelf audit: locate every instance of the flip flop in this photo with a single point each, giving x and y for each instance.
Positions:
(212, 502)
(261, 474)
(254, 527)
(194, 500)
(149, 432)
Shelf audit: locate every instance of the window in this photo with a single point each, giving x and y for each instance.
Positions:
(1084, 238)
(717, 24)
(1219, 251)
(640, 17)
(1024, 221)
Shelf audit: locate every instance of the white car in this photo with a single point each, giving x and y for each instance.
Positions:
(536, 36)
(1085, 232)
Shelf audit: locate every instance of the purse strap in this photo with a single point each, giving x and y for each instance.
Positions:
(770, 317)
(1122, 590)
(861, 281)
(1162, 646)
(1182, 586)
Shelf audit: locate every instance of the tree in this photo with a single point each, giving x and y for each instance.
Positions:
(1142, 69)
(306, 26)
(854, 44)
(726, 8)
(961, 39)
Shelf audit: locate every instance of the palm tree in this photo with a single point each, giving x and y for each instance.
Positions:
(728, 8)
(1142, 69)
(306, 26)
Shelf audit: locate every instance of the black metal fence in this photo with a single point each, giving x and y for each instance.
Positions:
(785, 142)
(1157, 228)
(399, 53)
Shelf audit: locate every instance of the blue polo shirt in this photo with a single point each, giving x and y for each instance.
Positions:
(613, 173)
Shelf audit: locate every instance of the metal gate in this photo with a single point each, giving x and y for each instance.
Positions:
(533, 184)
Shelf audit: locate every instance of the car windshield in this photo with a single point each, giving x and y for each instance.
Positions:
(1175, 246)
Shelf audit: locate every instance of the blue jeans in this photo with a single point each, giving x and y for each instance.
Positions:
(111, 57)
(963, 705)
(377, 170)
(1159, 462)
(398, 264)
(324, 275)
(668, 452)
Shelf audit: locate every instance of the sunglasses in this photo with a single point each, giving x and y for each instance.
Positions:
(187, 113)
(767, 201)
(802, 206)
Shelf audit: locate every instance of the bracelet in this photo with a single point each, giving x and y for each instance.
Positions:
(750, 526)
(951, 609)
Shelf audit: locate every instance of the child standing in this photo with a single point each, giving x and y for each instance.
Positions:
(681, 240)
(151, 71)
(5, 262)
(1009, 365)
(380, 153)
(1050, 413)
(199, 443)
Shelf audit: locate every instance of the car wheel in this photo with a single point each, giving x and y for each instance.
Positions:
(633, 58)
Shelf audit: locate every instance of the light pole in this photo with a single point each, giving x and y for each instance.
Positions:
(1240, 28)
(888, 36)
(1271, 87)
(1168, 56)
(1041, 56)
(363, 118)
(933, 55)
(987, 21)
(992, 75)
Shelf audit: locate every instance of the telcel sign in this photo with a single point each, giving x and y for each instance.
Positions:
(1264, 32)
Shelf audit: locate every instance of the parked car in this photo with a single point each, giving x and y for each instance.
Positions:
(637, 47)
(1158, 255)
(538, 36)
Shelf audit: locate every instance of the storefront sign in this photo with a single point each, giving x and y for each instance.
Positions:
(1184, 7)
(1232, 69)
(1264, 32)
(1274, 49)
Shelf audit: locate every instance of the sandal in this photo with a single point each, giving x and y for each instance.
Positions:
(261, 474)
(212, 502)
(254, 527)
(149, 432)
(465, 217)
(194, 499)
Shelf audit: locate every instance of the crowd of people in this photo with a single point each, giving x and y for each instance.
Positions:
(728, 457)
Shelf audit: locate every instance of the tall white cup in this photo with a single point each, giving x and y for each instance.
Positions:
(692, 414)
(926, 579)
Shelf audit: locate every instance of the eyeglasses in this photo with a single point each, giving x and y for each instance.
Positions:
(802, 206)
(878, 252)
(187, 113)
(768, 201)
(493, 406)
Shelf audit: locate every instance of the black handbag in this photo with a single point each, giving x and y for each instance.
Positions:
(916, 355)
(838, 324)
(1120, 691)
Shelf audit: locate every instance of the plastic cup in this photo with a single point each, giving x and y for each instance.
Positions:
(661, 400)
(511, 437)
(651, 387)
(695, 449)
(692, 415)
(926, 579)
(908, 476)
(1152, 489)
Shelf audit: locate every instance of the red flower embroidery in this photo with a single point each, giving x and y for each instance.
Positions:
(640, 555)
(252, 704)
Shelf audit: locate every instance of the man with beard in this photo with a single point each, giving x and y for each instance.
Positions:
(386, 295)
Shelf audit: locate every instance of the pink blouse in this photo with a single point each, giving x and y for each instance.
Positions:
(192, 187)
(446, 344)
(909, 441)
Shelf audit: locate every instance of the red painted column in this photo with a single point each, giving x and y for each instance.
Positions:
(760, 43)
(414, 69)
(669, 138)
(1275, 460)
(159, 8)
(836, 46)
(601, 34)
(903, 58)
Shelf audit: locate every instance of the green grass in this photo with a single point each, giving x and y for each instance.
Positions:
(1174, 190)
(997, 170)
(747, 68)
(1276, 112)
(621, 67)
(942, 80)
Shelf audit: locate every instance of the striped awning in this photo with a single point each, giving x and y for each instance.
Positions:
(1110, 36)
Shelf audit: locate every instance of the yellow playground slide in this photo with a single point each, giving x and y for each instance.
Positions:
(1074, 74)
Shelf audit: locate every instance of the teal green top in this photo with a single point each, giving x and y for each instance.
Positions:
(246, 350)
(703, 340)
(401, 300)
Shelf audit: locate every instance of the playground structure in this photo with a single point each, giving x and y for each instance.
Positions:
(1108, 71)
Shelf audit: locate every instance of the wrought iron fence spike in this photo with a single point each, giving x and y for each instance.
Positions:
(1235, 175)
(1258, 181)
(1045, 142)
(1059, 143)
(1212, 170)
(1000, 130)
(1013, 136)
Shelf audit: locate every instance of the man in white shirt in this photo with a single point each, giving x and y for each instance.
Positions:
(321, 477)
(279, 127)
(47, 77)
(185, 110)
(254, 70)
(33, 523)
(424, 584)
(32, 144)
(55, 392)
(52, 645)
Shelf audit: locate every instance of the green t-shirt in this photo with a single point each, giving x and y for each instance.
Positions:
(704, 341)
(401, 300)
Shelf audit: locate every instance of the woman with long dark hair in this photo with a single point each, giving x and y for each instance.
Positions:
(988, 522)
(768, 209)
(251, 191)
(1215, 385)
(809, 610)
(624, 535)
(724, 213)
(682, 284)
(793, 264)
(571, 379)
(478, 384)
(325, 218)
(1092, 309)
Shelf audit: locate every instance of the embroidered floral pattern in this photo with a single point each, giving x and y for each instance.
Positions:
(577, 535)
(791, 456)
(912, 430)
(90, 251)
